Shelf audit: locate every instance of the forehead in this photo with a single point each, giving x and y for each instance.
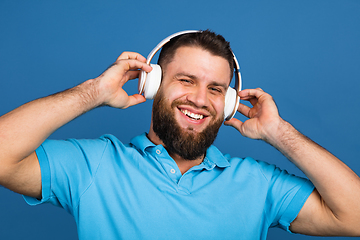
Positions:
(200, 63)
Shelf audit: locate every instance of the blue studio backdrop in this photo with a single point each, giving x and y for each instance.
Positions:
(306, 54)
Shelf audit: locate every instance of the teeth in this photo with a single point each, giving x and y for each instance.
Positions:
(192, 115)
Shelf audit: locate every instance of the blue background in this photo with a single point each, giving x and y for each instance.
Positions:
(306, 54)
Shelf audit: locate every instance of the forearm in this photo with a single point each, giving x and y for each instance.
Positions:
(337, 184)
(25, 128)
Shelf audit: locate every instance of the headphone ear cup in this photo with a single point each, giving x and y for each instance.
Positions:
(231, 103)
(152, 82)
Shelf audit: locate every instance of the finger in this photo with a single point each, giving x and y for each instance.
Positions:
(134, 100)
(247, 94)
(131, 55)
(254, 95)
(132, 64)
(244, 110)
(235, 123)
(132, 74)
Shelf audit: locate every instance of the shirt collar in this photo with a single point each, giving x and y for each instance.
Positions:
(213, 154)
(141, 142)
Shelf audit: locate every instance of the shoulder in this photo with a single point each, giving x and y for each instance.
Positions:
(252, 165)
(72, 151)
(270, 173)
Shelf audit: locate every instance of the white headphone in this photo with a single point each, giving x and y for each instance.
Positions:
(149, 83)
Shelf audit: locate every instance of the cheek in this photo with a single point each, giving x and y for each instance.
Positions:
(219, 105)
(175, 93)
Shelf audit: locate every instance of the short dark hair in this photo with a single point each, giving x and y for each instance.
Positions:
(207, 40)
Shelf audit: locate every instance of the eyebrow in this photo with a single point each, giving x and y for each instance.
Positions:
(214, 83)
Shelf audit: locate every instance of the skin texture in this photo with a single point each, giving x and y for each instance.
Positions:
(25, 128)
(199, 81)
(202, 79)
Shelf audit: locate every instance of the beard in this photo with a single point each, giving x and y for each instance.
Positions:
(186, 143)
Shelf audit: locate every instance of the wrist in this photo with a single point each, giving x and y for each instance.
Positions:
(280, 133)
(89, 94)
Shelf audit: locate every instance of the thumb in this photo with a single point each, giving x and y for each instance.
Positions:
(134, 100)
(235, 123)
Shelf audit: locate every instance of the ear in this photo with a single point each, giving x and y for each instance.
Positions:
(152, 82)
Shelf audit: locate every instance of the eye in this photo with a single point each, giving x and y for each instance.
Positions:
(216, 90)
(185, 81)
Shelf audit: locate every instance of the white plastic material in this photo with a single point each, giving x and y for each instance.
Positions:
(141, 83)
(152, 83)
(231, 103)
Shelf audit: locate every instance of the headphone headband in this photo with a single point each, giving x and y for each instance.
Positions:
(166, 40)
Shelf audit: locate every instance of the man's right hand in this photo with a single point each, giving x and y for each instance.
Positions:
(110, 83)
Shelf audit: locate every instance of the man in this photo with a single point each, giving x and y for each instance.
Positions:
(171, 182)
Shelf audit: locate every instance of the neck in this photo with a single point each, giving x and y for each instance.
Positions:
(183, 164)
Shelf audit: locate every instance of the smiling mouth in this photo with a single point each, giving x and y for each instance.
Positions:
(191, 115)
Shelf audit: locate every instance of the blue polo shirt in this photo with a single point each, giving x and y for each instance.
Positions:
(136, 191)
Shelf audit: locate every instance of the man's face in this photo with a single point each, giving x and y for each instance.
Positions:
(189, 108)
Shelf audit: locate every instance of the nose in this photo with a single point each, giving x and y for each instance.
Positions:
(199, 96)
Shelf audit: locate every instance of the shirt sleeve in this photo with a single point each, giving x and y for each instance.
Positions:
(67, 169)
(286, 196)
